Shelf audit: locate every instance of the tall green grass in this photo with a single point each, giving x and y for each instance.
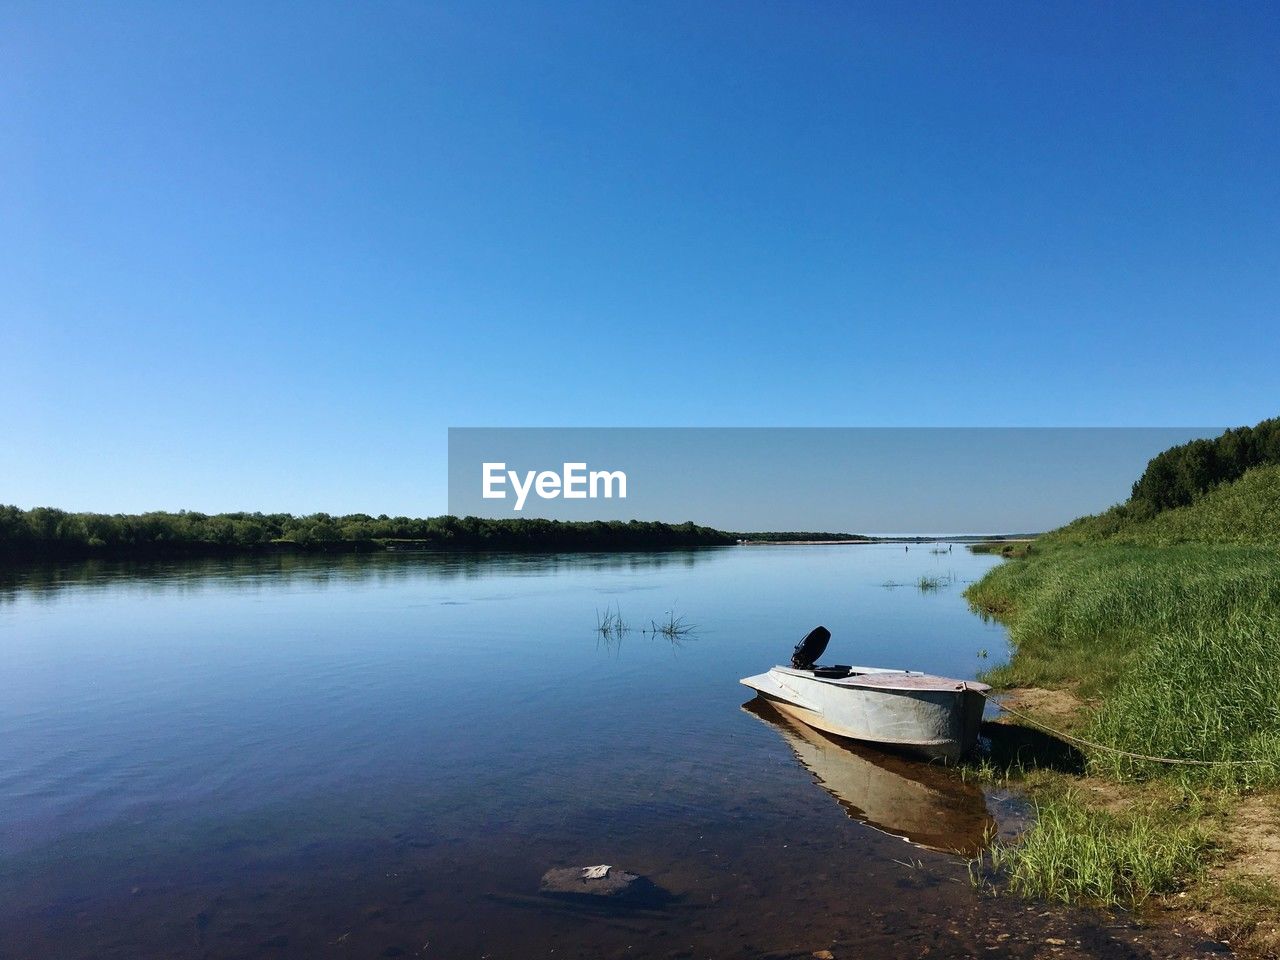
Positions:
(1206, 691)
(1085, 616)
(1180, 645)
(1076, 853)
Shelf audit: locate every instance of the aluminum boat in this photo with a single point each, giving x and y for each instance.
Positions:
(935, 717)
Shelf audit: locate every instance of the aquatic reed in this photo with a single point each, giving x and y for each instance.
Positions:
(610, 624)
(673, 628)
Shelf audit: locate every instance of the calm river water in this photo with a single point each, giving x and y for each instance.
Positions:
(380, 756)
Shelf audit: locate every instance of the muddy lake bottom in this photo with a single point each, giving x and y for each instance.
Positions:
(381, 756)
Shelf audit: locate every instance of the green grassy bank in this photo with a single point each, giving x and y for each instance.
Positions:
(1164, 626)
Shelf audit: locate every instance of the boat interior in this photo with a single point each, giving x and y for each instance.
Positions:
(837, 671)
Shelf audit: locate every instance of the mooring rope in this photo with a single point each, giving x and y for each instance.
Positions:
(1124, 753)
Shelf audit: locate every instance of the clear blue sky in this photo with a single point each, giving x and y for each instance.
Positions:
(261, 256)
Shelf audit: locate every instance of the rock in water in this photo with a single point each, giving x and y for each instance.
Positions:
(601, 881)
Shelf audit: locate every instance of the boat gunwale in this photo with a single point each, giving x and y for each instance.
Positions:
(879, 678)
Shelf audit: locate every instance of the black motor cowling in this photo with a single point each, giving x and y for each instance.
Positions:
(810, 648)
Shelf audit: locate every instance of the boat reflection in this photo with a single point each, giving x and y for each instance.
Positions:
(922, 803)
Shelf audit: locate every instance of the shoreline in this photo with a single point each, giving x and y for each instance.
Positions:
(963, 539)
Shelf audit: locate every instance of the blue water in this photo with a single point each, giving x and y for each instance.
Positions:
(367, 754)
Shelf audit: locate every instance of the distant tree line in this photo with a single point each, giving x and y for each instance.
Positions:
(1181, 474)
(798, 536)
(49, 532)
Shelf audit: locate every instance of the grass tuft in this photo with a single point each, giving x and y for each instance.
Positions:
(610, 624)
(673, 628)
(1076, 853)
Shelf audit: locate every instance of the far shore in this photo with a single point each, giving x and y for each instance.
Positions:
(968, 539)
(47, 533)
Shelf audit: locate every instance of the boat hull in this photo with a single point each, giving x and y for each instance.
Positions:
(932, 717)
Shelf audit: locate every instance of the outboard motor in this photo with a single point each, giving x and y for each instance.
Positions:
(810, 648)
